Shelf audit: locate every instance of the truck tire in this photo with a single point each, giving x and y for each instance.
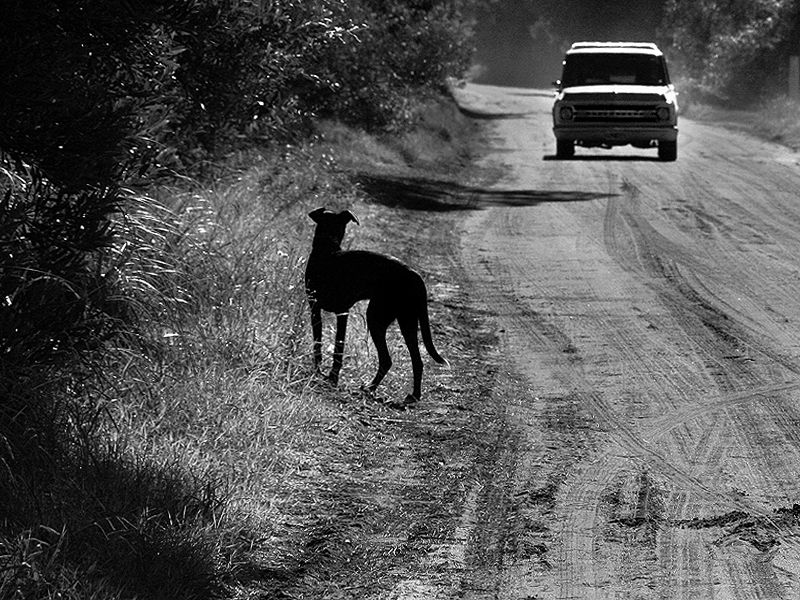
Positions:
(565, 149)
(668, 151)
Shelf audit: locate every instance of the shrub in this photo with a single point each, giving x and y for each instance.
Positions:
(734, 51)
(402, 49)
(111, 302)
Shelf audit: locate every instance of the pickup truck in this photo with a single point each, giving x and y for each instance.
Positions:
(614, 94)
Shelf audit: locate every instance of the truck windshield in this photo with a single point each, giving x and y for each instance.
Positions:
(611, 68)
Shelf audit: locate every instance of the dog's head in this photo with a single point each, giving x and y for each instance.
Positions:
(330, 227)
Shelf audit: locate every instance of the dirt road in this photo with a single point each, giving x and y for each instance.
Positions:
(650, 317)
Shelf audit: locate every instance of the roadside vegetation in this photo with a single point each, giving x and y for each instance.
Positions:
(161, 435)
(733, 52)
(732, 63)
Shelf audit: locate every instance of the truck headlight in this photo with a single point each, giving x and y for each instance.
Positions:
(662, 112)
(566, 113)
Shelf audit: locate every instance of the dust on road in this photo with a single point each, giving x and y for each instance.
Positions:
(650, 317)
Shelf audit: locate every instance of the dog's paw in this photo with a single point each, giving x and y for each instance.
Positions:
(410, 399)
(369, 395)
(403, 404)
(321, 381)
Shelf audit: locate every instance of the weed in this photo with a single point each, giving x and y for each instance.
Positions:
(193, 455)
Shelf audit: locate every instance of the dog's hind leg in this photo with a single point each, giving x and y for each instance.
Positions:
(338, 347)
(378, 321)
(408, 327)
(316, 334)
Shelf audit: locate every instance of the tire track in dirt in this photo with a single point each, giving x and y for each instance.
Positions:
(629, 441)
(495, 290)
(726, 338)
(589, 487)
(629, 343)
(650, 320)
(762, 471)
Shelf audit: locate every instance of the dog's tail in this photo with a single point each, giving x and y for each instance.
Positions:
(425, 330)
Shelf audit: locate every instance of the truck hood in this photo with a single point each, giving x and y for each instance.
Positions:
(618, 93)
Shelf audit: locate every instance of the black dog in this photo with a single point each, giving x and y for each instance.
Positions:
(336, 279)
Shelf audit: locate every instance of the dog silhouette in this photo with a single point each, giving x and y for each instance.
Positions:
(336, 279)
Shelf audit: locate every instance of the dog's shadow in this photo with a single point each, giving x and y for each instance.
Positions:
(442, 196)
(356, 394)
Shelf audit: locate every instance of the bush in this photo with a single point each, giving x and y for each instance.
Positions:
(81, 83)
(114, 308)
(733, 51)
(97, 95)
(401, 49)
(97, 91)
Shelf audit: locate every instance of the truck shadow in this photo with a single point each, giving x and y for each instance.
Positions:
(604, 158)
(493, 116)
(441, 196)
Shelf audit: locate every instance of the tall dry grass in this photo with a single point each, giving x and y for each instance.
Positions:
(773, 118)
(177, 472)
(232, 399)
(778, 119)
(201, 458)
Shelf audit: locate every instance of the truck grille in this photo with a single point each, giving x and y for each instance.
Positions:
(615, 113)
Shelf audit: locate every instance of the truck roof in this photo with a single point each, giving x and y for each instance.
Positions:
(622, 47)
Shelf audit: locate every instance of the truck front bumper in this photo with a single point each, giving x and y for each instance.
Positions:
(615, 135)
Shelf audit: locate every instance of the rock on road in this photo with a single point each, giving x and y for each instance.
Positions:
(650, 314)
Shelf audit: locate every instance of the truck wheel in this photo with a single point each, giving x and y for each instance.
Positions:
(668, 151)
(565, 148)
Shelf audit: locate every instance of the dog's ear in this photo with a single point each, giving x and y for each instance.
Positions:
(349, 216)
(316, 214)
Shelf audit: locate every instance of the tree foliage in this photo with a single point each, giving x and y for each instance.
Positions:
(398, 48)
(96, 97)
(122, 82)
(734, 50)
(97, 94)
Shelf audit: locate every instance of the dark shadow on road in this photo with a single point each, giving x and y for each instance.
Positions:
(441, 196)
(605, 158)
(477, 114)
(539, 93)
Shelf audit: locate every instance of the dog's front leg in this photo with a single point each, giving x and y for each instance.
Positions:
(316, 333)
(338, 347)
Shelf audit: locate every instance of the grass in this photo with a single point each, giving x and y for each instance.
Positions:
(778, 120)
(775, 118)
(206, 461)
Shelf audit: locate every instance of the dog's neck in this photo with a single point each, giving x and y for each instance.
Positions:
(325, 244)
